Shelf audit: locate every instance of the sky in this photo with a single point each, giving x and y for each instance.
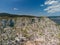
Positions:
(31, 7)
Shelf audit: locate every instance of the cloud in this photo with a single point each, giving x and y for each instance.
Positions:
(51, 2)
(42, 5)
(15, 9)
(53, 6)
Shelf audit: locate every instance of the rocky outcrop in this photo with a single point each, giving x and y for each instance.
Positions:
(28, 31)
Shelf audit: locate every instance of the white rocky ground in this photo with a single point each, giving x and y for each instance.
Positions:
(29, 31)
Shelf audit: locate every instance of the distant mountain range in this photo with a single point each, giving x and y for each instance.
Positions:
(54, 18)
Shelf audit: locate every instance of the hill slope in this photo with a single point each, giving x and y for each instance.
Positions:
(28, 31)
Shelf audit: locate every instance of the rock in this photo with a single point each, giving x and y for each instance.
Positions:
(30, 31)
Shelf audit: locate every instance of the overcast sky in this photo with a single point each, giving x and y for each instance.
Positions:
(31, 7)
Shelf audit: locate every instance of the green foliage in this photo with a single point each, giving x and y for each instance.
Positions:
(25, 33)
(41, 34)
(58, 35)
(11, 23)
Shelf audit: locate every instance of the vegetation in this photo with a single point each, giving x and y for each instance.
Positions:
(41, 30)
